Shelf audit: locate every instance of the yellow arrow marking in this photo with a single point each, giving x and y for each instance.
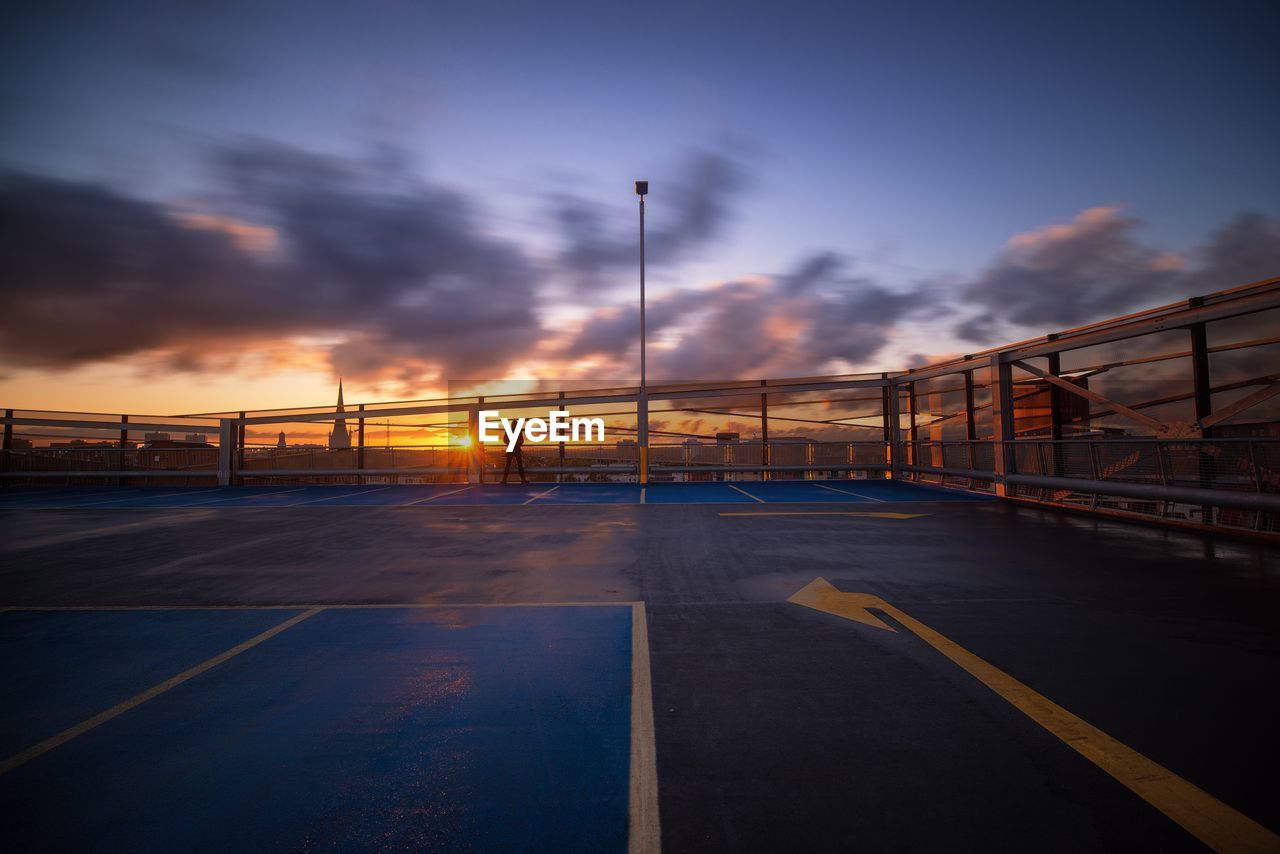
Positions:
(1199, 813)
(826, 513)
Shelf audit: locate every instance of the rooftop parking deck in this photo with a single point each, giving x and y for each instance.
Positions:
(795, 614)
(529, 667)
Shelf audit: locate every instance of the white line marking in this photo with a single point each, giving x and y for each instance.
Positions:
(744, 492)
(850, 492)
(247, 497)
(186, 559)
(642, 490)
(130, 497)
(541, 494)
(434, 497)
(343, 495)
(644, 830)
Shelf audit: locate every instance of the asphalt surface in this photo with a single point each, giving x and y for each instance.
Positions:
(777, 727)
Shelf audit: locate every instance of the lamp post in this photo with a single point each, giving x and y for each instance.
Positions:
(642, 403)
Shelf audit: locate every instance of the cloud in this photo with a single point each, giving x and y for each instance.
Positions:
(1245, 250)
(696, 207)
(392, 278)
(1068, 274)
(398, 268)
(1094, 267)
(799, 322)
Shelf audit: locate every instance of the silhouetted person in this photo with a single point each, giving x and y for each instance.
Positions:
(518, 456)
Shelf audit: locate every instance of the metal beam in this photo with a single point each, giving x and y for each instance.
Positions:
(110, 426)
(813, 467)
(1245, 500)
(1234, 307)
(895, 431)
(1240, 405)
(226, 438)
(1002, 423)
(1255, 297)
(1088, 394)
(99, 473)
(976, 474)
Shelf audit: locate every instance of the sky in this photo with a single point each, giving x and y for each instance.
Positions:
(211, 207)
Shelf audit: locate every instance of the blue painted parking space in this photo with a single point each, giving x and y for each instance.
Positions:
(498, 494)
(59, 668)
(441, 729)
(457, 494)
(594, 493)
(695, 493)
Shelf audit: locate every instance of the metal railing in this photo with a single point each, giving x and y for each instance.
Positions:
(1228, 483)
(1179, 423)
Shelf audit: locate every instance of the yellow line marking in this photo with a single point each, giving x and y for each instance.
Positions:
(541, 494)
(873, 515)
(434, 497)
(343, 495)
(744, 492)
(643, 829)
(1202, 815)
(138, 699)
(849, 492)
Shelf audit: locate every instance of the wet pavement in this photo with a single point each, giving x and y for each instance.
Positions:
(464, 726)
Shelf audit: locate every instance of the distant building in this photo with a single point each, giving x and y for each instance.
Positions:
(281, 443)
(174, 443)
(339, 437)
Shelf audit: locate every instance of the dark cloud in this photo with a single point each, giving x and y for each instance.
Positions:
(695, 207)
(1095, 267)
(401, 281)
(1068, 274)
(1245, 250)
(789, 324)
(317, 245)
(87, 273)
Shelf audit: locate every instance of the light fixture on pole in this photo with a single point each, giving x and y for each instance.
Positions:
(642, 403)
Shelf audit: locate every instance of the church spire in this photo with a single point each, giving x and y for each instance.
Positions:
(339, 437)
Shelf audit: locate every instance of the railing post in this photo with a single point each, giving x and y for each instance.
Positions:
(913, 431)
(475, 451)
(642, 433)
(360, 444)
(560, 474)
(226, 439)
(7, 446)
(1202, 388)
(124, 438)
(240, 443)
(764, 431)
(1258, 515)
(892, 429)
(1001, 422)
